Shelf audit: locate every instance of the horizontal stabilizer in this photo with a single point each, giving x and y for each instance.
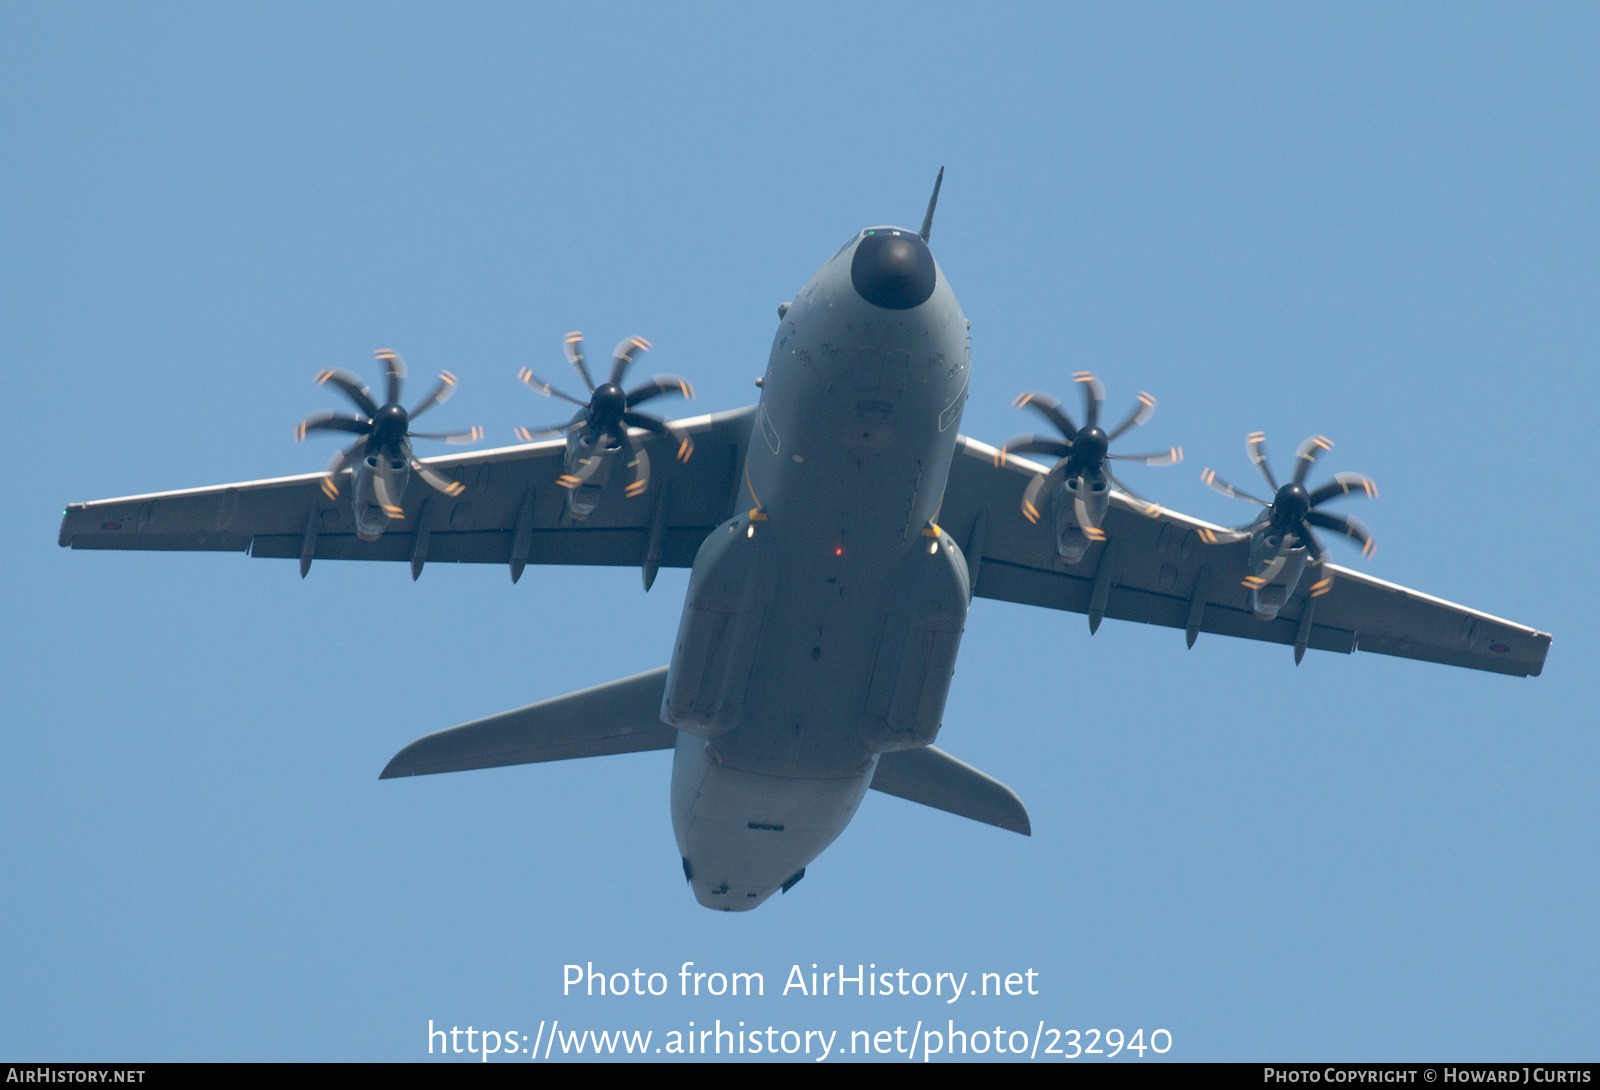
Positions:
(934, 778)
(617, 717)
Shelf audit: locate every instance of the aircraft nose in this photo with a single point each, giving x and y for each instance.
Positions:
(893, 269)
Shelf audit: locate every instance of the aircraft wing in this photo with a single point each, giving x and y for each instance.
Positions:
(1163, 571)
(512, 511)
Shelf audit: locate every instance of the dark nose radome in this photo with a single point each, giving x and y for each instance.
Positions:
(893, 269)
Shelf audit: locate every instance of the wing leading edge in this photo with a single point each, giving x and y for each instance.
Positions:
(511, 511)
(1163, 571)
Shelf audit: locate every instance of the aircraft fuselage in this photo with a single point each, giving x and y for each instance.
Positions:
(822, 622)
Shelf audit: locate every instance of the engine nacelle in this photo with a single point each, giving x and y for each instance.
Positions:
(1268, 597)
(584, 498)
(916, 655)
(730, 590)
(371, 521)
(1071, 542)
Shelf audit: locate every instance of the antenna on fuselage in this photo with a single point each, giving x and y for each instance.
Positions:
(927, 221)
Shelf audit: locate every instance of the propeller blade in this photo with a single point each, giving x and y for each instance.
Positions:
(1151, 510)
(1094, 395)
(1166, 458)
(441, 394)
(346, 457)
(1308, 453)
(1085, 515)
(662, 428)
(395, 368)
(1309, 540)
(1043, 484)
(436, 479)
(623, 357)
(1343, 484)
(331, 421)
(456, 437)
(1313, 545)
(387, 487)
(530, 435)
(658, 385)
(540, 386)
(353, 387)
(1080, 511)
(1256, 444)
(648, 423)
(641, 469)
(573, 346)
(1035, 444)
(1050, 409)
(1274, 566)
(1219, 485)
(1351, 528)
(586, 466)
(1141, 412)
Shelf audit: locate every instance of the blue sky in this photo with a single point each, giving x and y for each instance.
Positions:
(1373, 223)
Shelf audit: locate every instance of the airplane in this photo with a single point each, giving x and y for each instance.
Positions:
(836, 533)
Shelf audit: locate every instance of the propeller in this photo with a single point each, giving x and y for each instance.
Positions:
(605, 418)
(385, 430)
(1082, 452)
(1293, 510)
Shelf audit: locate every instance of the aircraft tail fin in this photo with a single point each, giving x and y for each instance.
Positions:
(934, 778)
(617, 717)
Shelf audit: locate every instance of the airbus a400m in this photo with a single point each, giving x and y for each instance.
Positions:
(836, 532)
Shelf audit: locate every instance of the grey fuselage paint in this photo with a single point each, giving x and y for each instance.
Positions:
(822, 621)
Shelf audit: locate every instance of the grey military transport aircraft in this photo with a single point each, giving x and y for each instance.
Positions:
(836, 533)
